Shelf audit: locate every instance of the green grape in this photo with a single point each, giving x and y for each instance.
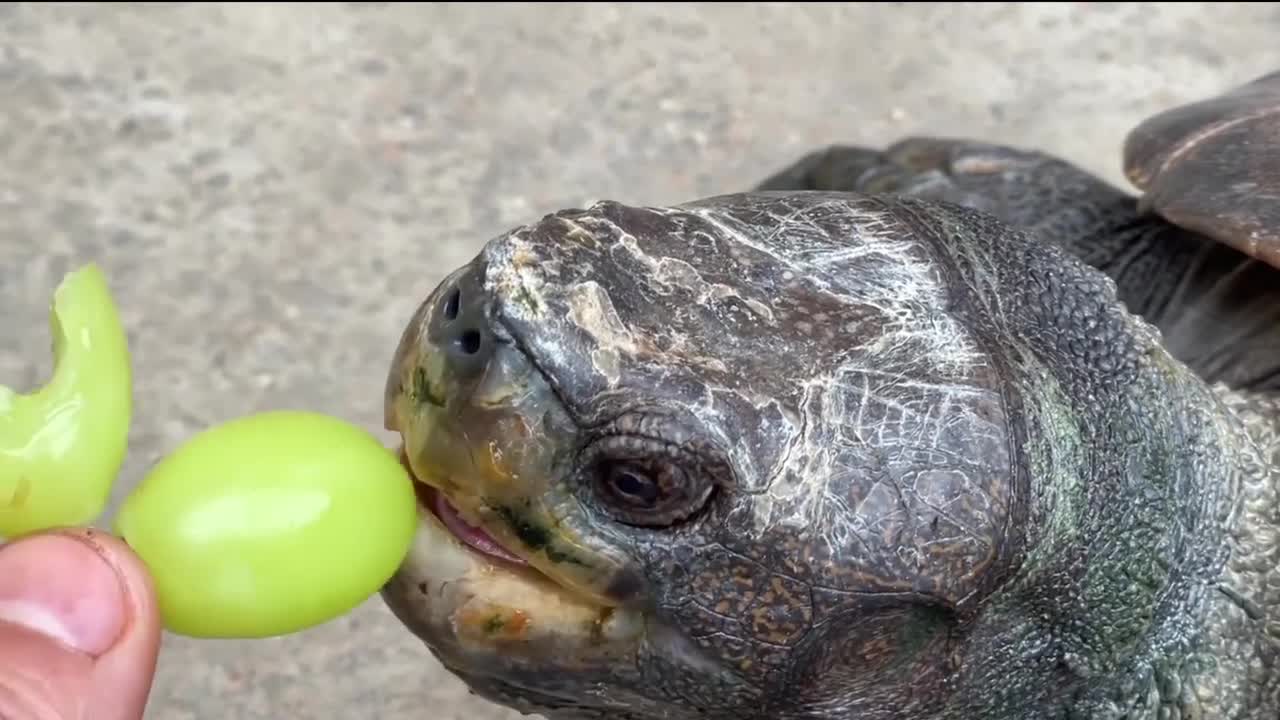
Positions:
(62, 445)
(263, 526)
(270, 524)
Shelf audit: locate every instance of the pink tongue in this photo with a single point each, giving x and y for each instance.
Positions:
(473, 536)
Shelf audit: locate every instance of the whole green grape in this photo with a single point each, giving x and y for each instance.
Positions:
(270, 524)
(262, 526)
(62, 445)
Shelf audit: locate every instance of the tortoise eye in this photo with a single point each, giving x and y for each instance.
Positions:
(647, 492)
(633, 485)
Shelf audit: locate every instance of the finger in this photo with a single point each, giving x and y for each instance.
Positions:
(79, 628)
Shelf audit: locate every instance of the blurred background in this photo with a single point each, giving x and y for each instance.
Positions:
(272, 188)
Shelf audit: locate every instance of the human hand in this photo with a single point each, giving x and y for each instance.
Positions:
(79, 628)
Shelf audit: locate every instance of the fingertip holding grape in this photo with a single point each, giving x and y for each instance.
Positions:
(262, 526)
(62, 445)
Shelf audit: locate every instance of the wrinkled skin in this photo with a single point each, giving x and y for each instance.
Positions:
(1217, 308)
(830, 455)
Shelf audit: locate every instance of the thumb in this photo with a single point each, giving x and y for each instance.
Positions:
(79, 628)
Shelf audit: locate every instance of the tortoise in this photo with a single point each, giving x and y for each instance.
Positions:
(945, 430)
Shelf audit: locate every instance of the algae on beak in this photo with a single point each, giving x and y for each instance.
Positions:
(474, 608)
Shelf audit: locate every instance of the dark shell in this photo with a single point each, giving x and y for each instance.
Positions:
(1214, 167)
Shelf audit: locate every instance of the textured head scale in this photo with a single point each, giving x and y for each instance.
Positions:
(806, 446)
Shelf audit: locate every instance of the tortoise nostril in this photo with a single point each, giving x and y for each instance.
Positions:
(452, 304)
(459, 327)
(469, 342)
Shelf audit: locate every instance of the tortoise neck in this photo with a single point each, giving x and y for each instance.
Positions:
(1127, 471)
(1236, 673)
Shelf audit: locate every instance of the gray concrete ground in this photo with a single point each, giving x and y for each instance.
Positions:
(273, 187)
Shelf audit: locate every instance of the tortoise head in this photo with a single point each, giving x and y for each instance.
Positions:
(762, 455)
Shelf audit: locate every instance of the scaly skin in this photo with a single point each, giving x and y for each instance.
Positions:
(1218, 309)
(1233, 673)
(918, 463)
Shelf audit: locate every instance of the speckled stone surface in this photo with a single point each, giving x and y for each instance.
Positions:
(272, 188)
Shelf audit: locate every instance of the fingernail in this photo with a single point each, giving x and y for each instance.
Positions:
(63, 588)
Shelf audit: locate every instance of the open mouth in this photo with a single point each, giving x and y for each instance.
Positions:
(473, 537)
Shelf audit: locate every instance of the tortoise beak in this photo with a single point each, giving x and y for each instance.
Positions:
(494, 582)
(483, 430)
